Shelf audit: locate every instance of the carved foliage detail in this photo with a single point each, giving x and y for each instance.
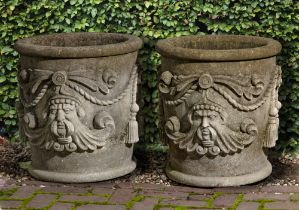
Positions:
(208, 133)
(64, 130)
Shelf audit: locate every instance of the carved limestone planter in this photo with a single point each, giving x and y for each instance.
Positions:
(78, 104)
(219, 107)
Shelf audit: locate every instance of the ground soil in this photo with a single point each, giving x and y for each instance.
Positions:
(14, 159)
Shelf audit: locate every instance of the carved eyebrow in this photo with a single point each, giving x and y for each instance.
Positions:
(202, 113)
(68, 106)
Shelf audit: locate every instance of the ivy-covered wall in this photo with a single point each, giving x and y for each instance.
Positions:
(152, 20)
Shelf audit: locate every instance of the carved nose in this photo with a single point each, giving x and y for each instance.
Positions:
(204, 122)
(60, 115)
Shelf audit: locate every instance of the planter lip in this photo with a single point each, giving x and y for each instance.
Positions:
(119, 44)
(174, 48)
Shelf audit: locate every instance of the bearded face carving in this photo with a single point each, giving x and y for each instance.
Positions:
(64, 130)
(206, 120)
(62, 113)
(208, 132)
(63, 127)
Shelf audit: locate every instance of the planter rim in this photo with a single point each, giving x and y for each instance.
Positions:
(63, 45)
(255, 47)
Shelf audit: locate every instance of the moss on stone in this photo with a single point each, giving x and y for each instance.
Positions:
(86, 202)
(237, 202)
(93, 194)
(262, 203)
(180, 208)
(81, 203)
(7, 192)
(52, 202)
(295, 197)
(211, 200)
(134, 200)
(27, 200)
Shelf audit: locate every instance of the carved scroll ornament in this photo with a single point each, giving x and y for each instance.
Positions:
(208, 132)
(64, 129)
(180, 87)
(73, 80)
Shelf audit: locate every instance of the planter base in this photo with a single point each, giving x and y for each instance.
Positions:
(82, 177)
(218, 181)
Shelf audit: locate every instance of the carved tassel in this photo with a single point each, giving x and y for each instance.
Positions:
(273, 121)
(133, 129)
(133, 124)
(272, 132)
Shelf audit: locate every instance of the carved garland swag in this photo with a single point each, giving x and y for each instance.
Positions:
(177, 89)
(65, 136)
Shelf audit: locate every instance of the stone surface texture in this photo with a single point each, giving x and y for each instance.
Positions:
(145, 198)
(219, 107)
(78, 104)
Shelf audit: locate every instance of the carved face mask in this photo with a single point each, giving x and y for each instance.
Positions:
(64, 130)
(205, 120)
(209, 133)
(63, 112)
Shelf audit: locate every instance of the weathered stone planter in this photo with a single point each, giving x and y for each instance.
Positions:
(78, 104)
(219, 107)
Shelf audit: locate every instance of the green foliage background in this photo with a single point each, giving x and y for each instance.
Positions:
(153, 20)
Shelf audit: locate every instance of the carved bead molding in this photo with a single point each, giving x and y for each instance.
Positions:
(63, 129)
(208, 131)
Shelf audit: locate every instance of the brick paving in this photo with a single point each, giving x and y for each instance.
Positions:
(128, 196)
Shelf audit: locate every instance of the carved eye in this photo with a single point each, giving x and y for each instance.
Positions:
(197, 115)
(67, 111)
(212, 117)
(53, 111)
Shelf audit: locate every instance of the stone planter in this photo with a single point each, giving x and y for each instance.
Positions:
(78, 104)
(219, 107)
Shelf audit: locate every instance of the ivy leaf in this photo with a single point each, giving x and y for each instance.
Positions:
(147, 4)
(2, 79)
(94, 12)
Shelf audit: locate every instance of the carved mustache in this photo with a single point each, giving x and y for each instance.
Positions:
(62, 129)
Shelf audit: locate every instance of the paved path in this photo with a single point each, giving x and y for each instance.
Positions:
(125, 196)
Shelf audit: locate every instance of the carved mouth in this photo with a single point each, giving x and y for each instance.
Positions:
(206, 132)
(206, 137)
(62, 130)
(207, 143)
(64, 140)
